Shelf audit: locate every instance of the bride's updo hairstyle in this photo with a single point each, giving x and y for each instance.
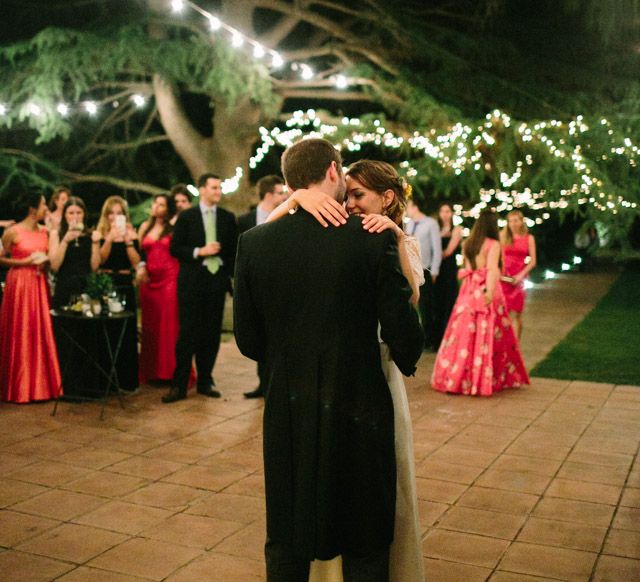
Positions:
(380, 177)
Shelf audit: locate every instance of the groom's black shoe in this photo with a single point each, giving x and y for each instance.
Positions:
(257, 393)
(174, 395)
(209, 391)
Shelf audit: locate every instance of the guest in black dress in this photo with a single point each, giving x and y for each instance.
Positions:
(74, 252)
(120, 255)
(446, 287)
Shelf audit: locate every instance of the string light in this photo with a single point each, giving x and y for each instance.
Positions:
(577, 260)
(258, 51)
(549, 274)
(236, 40)
(138, 100)
(177, 5)
(341, 82)
(90, 107)
(34, 109)
(214, 23)
(62, 109)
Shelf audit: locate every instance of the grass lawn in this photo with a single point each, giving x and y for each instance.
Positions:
(605, 345)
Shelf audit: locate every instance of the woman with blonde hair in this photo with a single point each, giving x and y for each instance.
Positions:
(518, 260)
(378, 194)
(119, 257)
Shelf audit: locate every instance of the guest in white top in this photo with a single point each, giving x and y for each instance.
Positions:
(427, 231)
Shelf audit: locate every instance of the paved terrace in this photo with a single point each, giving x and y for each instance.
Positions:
(531, 485)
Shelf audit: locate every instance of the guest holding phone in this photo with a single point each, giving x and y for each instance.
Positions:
(119, 256)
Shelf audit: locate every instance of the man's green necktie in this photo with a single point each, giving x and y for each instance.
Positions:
(212, 262)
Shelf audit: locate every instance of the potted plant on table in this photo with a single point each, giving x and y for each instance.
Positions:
(99, 286)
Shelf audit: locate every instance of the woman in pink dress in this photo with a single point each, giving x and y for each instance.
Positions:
(517, 246)
(158, 280)
(479, 354)
(29, 367)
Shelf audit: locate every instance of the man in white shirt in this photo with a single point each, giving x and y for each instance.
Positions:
(426, 230)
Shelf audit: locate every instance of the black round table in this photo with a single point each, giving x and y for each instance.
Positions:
(88, 350)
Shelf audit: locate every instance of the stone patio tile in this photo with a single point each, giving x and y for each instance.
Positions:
(18, 527)
(577, 511)
(146, 468)
(524, 482)
(235, 461)
(549, 532)
(598, 458)
(623, 543)
(246, 543)
(634, 478)
(609, 445)
(450, 453)
(627, 518)
(464, 547)
(583, 491)
(179, 453)
(192, 530)
(145, 558)
(59, 504)
(252, 485)
(15, 491)
(442, 571)
(504, 421)
(478, 521)
(106, 484)
(593, 473)
(82, 435)
(539, 449)
(84, 574)
(498, 501)
(10, 462)
(134, 444)
(630, 497)
(511, 577)
(166, 496)
(485, 438)
(615, 569)
(227, 568)
(548, 467)
(559, 563)
(440, 491)
(444, 471)
(223, 506)
(48, 473)
(21, 567)
(205, 477)
(72, 543)
(430, 512)
(92, 458)
(126, 518)
(40, 447)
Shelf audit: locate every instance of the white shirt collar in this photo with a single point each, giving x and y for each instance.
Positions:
(204, 208)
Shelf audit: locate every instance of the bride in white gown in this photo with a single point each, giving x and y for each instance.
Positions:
(375, 191)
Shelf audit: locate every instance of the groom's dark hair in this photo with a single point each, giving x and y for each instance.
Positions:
(307, 162)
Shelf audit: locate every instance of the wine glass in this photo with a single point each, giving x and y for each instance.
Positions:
(79, 227)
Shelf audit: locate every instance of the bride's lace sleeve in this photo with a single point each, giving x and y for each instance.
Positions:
(415, 260)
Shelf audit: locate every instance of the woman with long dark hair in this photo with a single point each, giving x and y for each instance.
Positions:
(158, 282)
(29, 367)
(480, 353)
(74, 252)
(446, 285)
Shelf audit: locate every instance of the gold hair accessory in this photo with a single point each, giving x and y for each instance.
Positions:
(407, 190)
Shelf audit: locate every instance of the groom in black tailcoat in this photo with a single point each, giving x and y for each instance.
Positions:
(204, 241)
(307, 304)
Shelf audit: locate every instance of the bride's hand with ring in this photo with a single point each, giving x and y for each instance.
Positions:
(323, 207)
(375, 223)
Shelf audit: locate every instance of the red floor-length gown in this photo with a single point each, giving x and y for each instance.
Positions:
(480, 353)
(514, 258)
(159, 305)
(29, 368)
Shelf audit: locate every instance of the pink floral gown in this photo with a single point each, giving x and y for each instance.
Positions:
(479, 354)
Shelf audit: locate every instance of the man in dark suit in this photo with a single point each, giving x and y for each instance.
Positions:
(204, 241)
(308, 301)
(272, 193)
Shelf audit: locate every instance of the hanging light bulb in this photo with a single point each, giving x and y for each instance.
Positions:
(90, 107)
(177, 5)
(307, 72)
(139, 100)
(3, 109)
(258, 51)
(63, 109)
(214, 23)
(34, 109)
(237, 39)
(341, 82)
(276, 60)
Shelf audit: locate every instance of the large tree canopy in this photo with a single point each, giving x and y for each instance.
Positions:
(423, 66)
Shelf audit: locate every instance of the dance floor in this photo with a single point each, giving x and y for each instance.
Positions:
(541, 483)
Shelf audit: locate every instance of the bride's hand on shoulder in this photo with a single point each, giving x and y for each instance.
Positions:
(323, 207)
(376, 223)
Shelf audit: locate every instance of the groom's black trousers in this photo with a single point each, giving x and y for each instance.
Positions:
(284, 566)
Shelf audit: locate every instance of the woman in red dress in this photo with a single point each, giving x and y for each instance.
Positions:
(479, 354)
(158, 280)
(29, 367)
(517, 246)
